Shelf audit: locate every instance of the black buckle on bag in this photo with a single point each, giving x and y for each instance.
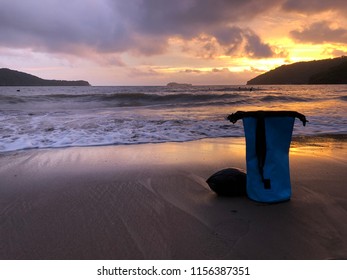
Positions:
(267, 184)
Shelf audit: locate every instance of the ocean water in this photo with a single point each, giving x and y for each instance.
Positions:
(45, 117)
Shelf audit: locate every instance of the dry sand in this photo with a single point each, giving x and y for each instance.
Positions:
(151, 201)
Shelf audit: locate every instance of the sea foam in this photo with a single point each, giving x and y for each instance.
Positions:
(49, 117)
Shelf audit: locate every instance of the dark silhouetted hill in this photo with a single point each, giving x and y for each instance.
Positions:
(10, 77)
(326, 71)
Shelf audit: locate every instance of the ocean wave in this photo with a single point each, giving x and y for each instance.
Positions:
(141, 99)
(125, 99)
(238, 89)
(276, 98)
(343, 98)
(49, 133)
(6, 99)
(62, 117)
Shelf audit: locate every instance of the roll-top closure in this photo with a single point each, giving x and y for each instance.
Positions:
(264, 114)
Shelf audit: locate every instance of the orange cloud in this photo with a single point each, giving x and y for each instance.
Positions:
(320, 32)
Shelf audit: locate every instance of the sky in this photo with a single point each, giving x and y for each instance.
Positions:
(154, 42)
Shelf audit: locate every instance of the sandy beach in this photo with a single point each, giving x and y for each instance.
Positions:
(151, 201)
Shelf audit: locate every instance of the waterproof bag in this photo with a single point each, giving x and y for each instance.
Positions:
(268, 136)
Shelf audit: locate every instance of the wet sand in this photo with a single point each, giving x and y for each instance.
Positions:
(151, 201)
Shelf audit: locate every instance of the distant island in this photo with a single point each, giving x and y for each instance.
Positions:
(10, 77)
(173, 84)
(326, 71)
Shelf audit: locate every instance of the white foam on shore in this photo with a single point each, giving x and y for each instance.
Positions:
(39, 117)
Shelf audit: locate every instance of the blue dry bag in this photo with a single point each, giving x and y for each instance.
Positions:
(268, 136)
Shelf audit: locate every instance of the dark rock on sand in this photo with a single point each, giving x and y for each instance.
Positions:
(228, 182)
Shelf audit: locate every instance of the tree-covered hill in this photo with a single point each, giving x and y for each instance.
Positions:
(10, 77)
(327, 71)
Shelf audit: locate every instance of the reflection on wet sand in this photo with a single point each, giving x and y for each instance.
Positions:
(322, 146)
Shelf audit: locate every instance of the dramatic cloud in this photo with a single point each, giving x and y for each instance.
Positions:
(116, 26)
(139, 26)
(61, 26)
(230, 41)
(127, 38)
(336, 52)
(255, 48)
(190, 71)
(189, 17)
(320, 32)
(235, 38)
(312, 6)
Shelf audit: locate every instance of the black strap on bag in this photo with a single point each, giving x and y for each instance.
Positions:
(260, 148)
(242, 114)
(260, 143)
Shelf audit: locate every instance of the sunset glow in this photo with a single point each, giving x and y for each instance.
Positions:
(155, 42)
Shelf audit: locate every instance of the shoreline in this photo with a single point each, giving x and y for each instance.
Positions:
(151, 201)
(304, 139)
